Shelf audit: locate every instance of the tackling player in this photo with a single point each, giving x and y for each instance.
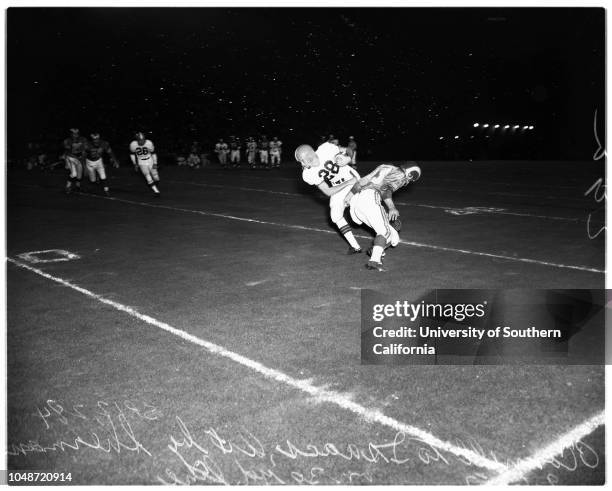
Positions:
(143, 156)
(328, 170)
(94, 150)
(275, 152)
(364, 200)
(74, 150)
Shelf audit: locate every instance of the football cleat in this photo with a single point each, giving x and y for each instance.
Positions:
(373, 265)
(352, 250)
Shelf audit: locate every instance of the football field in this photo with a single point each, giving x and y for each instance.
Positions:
(212, 335)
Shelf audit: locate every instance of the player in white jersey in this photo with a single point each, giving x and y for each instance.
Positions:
(275, 152)
(142, 153)
(365, 197)
(221, 149)
(251, 151)
(328, 170)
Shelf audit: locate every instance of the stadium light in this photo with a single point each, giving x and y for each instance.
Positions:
(531, 127)
(496, 126)
(525, 127)
(476, 125)
(441, 138)
(486, 125)
(507, 126)
(516, 127)
(456, 137)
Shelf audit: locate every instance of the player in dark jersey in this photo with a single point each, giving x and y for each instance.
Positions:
(95, 149)
(74, 153)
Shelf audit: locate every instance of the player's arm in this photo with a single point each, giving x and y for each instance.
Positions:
(387, 194)
(153, 155)
(133, 155)
(111, 156)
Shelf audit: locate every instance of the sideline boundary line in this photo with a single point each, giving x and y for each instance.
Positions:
(320, 393)
(314, 229)
(546, 455)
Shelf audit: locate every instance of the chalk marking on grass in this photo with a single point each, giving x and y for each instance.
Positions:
(546, 455)
(320, 393)
(60, 256)
(314, 229)
(481, 210)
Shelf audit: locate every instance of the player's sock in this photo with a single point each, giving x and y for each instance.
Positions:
(376, 254)
(348, 235)
(378, 248)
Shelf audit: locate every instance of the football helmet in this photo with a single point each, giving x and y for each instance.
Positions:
(306, 156)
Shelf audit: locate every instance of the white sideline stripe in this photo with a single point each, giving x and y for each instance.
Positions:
(420, 205)
(321, 394)
(314, 229)
(544, 456)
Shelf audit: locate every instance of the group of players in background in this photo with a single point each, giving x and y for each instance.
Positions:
(83, 153)
(260, 154)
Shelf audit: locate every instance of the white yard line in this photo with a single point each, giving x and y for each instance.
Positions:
(481, 210)
(319, 393)
(329, 231)
(545, 456)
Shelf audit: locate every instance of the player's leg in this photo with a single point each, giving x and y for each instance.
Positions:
(79, 174)
(102, 175)
(146, 172)
(90, 171)
(376, 217)
(336, 213)
(71, 168)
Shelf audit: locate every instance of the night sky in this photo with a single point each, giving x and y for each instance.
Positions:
(396, 79)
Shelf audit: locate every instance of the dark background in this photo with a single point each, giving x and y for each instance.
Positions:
(397, 79)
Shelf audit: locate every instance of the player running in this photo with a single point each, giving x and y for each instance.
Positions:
(94, 150)
(143, 156)
(221, 149)
(275, 152)
(328, 170)
(74, 152)
(264, 146)
(365, 206)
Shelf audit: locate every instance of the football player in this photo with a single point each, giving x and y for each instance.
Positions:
(327, 169)
(143, 156)
(275, 152)
(235, 152)
(251, 147)
(352, 150)
(74, 150)
(264, 145)
(364, 199)
(94, 150)
(221, 150)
